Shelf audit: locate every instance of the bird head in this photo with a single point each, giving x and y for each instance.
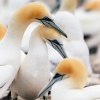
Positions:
(71, 68)
(36, 11)
(52, 37)
(92, 5)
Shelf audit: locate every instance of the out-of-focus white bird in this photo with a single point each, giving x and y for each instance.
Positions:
(69, 81)
(74, 45)
(3, 30)
(10, 45)
(68, 5)
(65, 5)
(89, 17)
(34, 72)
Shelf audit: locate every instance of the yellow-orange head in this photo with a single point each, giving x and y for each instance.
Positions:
(35, 11)
(31, 11)
(52, 37)
(47, 32)
(92, 5)
(3, 30)
(76, 70)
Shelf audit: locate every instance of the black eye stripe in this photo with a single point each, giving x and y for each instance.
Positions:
(57, 46)
(47, 19)
(54, 41)
(57, 75)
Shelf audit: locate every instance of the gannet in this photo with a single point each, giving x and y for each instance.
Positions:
(74, 45)
(10, 45)
(34, 72)
(89, 17)
(69, 81)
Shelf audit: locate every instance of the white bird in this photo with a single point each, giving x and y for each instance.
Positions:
(68, 5)
(10, 45)
(69, 81)
(65, 5)
(74, 45)
(34, 72)
(3, 30)
(89, 17)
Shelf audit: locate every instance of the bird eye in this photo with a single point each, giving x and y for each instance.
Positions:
(57, 75)
(87, 10)
(55, 41)
(47, 19)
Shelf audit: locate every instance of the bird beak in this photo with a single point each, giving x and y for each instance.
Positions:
(57, 46)
(57, 77)
(49, 23)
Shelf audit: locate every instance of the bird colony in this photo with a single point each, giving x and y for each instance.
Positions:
(43, 52)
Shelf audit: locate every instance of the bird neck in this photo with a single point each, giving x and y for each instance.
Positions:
(68, 5)
(13, 37)
(37, 47)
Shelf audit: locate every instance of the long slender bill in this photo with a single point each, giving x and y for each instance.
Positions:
(55, 79)
(50, 23)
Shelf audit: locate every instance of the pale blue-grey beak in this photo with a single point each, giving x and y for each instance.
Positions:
(55, 79)
(58, 47)
(50, 23)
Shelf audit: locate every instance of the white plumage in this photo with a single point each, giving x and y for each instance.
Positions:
(34, 71)
(75, 45)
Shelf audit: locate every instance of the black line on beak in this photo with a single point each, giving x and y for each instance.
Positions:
(55, 79)
(58, 47)
(50, 23)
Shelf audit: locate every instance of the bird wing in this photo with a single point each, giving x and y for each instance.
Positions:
(5, 74)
